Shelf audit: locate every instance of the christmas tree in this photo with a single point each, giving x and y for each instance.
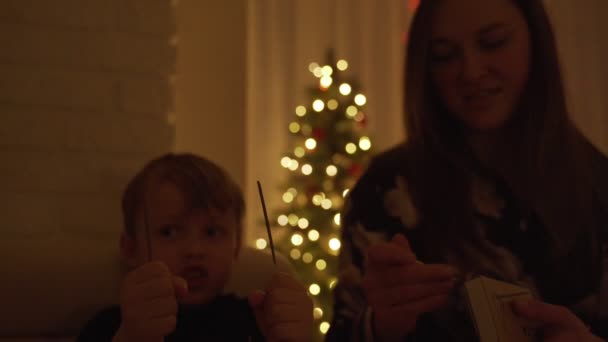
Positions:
(328, 151)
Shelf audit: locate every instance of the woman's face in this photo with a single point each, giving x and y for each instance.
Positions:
(480, 58)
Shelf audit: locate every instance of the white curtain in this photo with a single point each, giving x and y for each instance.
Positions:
(581, 28)
(285, 36)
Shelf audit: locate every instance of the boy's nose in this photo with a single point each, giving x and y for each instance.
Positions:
(194, 246)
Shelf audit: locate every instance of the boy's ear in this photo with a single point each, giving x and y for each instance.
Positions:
(128, 249)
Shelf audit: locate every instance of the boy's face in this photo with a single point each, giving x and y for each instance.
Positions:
(197, 245)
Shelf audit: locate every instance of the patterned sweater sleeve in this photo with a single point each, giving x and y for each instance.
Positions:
(370, 215)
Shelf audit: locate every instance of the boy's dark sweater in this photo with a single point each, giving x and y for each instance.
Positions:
(226, 318)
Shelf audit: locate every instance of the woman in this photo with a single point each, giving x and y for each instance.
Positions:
(493, 180)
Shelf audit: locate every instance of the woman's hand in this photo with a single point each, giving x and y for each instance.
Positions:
(557, 323)
(399, 289)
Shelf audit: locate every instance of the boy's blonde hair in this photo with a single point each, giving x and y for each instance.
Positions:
(204, 185)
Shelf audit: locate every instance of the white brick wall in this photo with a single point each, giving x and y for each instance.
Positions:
(84, 100)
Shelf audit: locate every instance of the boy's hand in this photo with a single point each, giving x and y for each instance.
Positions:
(148, 303)
(284, 311)
(558, 324)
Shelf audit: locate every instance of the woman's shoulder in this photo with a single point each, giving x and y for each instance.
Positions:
(385, 167)
(381, 199)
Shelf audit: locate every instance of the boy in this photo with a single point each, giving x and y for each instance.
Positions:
(182, 232)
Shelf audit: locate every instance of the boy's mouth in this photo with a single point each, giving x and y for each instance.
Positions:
(195, 276)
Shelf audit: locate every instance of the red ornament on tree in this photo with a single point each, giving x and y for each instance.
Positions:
(319, 134)
(363, 122)
(355, 170)
(312, 190)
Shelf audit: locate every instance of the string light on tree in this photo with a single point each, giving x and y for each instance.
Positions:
(310, 143)
(360, 100)
(307, 258)
(283, 220)
(317, 313)
(294, 127)
(260, 243)
(297, 239)
(332, 104)
(329, 147)
(295, 254)
(313, 235)
(300, 111)
(345, 89)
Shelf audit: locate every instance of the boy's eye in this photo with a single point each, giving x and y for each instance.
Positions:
(212, 231)
(168, 231)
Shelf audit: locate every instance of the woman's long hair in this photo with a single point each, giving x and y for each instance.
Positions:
(544, 159)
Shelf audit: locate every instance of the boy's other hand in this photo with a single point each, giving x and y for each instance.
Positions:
(284, 310)
(148, 303)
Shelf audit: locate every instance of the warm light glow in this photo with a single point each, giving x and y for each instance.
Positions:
(345, 192)
(331, 170)
(260, 243)
(293, 219)
(360, 99)
(299, 152)
(352, 111)
(326, 204)
(297, 239)
(293, 165)
(313, 235)
(328, 185)
(314, 289)
(295, 254)
(318, 105)
(359, 117)
(351, 148)
(326, 81)
(332, 104)
(332, 283)
(310, 143)
(306, 129)
(345, 89)
(306, 169)
(292, 191)
(287, 197)
(317, 199)
(303, 223)
(324, 328)
(283, 220)
(318, 72)
(317, 313)
(334, 244)
(285, 162)
(364, 143)
(321, 264)
(300, 111)
(342, 65)
(307, 258)
(337, 219)
(327, 70)
(312, 66)
(294, 127)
